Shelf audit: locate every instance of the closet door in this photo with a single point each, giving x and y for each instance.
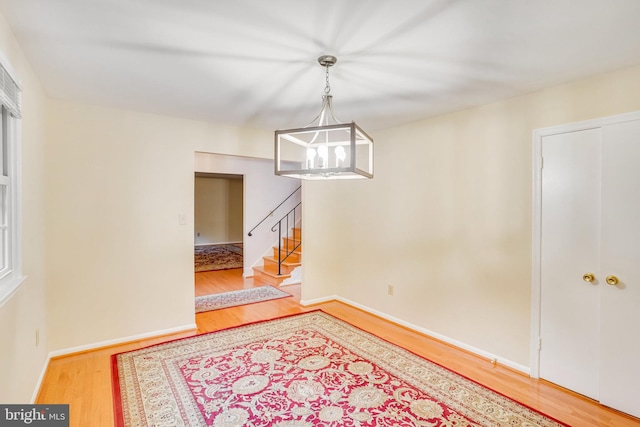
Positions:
(570, 245)
(620, 303)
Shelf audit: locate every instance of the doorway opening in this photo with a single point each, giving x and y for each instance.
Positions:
(218, 222)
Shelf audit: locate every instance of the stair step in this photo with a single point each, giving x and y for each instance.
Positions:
(261, 274)
(271, 264)
(290, 243)
(269, 271)
(294, 257)
(297, 233)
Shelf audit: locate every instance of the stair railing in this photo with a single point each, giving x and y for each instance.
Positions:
(288, 222)
(273, 210)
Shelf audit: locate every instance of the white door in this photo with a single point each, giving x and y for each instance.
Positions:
(620, 304)
(590, 222)
(569, 250)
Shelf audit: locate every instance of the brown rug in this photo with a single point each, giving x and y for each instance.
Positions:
(300, 371)
(218, 257)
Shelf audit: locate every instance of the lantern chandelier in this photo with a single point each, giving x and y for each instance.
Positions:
(325, 148)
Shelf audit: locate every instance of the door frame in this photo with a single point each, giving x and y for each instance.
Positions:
(536, 238)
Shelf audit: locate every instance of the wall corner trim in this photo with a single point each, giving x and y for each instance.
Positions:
(36, 390)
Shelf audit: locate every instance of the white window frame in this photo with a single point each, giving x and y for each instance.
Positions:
(11, 277)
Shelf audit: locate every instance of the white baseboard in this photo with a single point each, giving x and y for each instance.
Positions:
(36, 390)
(459, 344)
(108, 343)
(101, 344)
(321, 300)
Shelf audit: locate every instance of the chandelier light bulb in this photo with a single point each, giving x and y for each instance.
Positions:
(341, 154)
(311, 154)
(323, 153)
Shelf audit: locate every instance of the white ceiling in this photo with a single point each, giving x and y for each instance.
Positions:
(253, 62)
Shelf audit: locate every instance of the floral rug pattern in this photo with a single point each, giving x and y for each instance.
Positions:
(240, 297)
(218, 257)
(300, 371)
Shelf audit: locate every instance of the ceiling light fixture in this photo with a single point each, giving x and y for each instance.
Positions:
(325, 148)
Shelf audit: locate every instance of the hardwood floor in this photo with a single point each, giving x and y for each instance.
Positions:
(84, 380)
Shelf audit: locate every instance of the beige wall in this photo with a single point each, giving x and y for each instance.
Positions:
(236, 207)
(21, 361)
(218, 210)
(119, 262)
(447, 218)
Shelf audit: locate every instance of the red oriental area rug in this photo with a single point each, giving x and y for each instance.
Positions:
(300, 371)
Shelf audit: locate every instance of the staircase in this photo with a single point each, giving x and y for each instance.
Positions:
(268, 272)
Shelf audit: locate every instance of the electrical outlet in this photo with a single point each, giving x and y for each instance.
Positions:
(390, 289)
(37, 337)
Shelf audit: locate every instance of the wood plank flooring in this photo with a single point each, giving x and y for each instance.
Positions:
(84, 380)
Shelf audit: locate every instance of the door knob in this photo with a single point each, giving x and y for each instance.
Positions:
(612, 280)
(588, 277)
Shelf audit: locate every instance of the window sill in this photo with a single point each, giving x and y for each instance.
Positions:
(9, 287)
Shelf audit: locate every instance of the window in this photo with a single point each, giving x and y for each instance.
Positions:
(10, 235)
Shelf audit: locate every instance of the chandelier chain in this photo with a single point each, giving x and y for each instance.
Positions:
(327, 88)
